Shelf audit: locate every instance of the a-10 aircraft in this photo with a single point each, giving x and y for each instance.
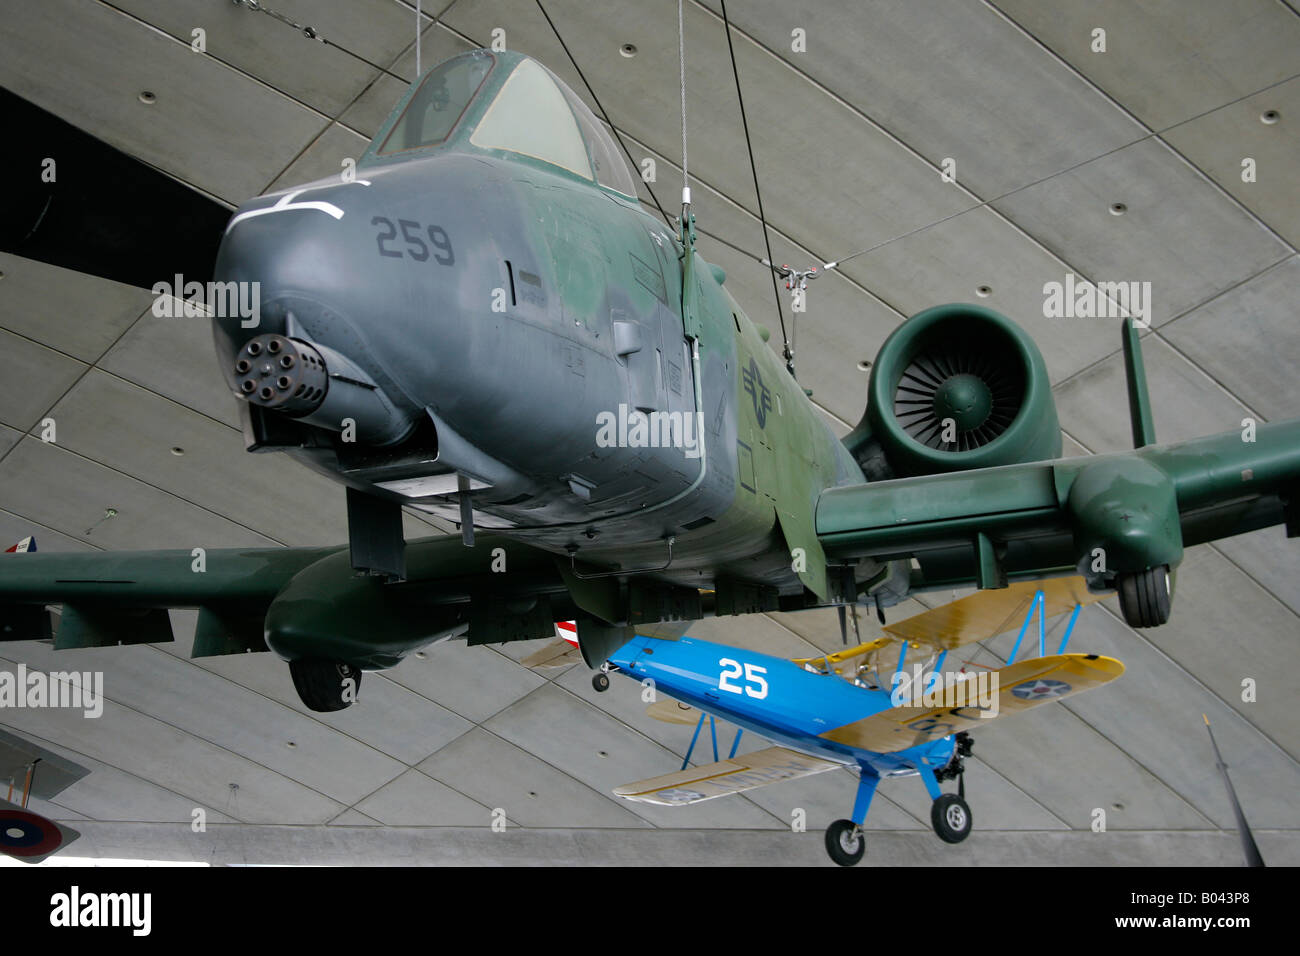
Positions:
(847, 710)
(485, 324)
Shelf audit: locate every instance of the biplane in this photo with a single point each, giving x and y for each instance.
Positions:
(857, 708)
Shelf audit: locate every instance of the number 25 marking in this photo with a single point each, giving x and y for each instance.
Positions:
(732, 669)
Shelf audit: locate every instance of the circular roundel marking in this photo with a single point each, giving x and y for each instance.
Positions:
(1041, 689)
(26, 834)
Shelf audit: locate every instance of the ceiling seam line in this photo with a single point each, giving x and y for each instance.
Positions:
(1157, 135)
(221, 747)
(60, 745)
(204, 508)
(981, 203)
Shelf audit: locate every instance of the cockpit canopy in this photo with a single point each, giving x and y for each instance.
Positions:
(507, 104)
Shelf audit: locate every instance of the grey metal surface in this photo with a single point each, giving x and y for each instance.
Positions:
(849, 138)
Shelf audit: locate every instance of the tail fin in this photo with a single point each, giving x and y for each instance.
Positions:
(25, 545)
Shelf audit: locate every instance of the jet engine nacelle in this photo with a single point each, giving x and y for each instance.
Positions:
(956, 387)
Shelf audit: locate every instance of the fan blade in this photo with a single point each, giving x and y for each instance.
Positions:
(1247, 838)
(105, 213)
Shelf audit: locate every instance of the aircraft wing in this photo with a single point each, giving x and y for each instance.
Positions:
(1019, 687)
(726, 776)
(307, 595)
(1132, 510)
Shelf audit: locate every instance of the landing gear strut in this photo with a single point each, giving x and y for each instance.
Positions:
(950, 813)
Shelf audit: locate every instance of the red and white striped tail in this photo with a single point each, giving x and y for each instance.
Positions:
(23, 546)
(567, 631)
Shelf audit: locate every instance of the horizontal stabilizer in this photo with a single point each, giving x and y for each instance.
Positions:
(726, 776)
(1018, 688)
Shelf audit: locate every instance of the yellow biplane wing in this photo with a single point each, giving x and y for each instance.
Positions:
(986, 613)
(1019, 687)
(726, 776)
(990, 612)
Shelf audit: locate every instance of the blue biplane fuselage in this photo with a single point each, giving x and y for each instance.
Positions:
(774, 698)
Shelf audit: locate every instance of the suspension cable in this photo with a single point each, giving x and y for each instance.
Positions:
(595, 99)
(787, 347)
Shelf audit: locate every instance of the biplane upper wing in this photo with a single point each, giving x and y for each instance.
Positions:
(1019, 687)
(726, 776)
(990, 612)
(985, 613)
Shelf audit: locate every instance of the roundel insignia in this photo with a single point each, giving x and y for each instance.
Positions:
(1041, 689)
(24, 834)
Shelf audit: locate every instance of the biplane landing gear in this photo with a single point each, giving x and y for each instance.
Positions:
(600, 680)
(325, 686)
(845, 842)
(950, 817)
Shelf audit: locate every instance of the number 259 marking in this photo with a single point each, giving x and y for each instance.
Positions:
(415, 245)
(753, 676)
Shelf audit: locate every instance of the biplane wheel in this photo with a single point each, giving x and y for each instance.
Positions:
(950, 817)
(600, 682)
(1144, 597)
(845, 842)
(325, 686)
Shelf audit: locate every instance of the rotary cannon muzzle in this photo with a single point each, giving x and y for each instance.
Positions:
(280, 373)
(318, 385)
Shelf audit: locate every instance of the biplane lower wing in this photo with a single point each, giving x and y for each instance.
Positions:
(1019, 687)
(726, 776)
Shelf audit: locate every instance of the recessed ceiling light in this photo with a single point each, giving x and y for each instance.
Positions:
(420, 655)
(864, 365)
(1118, 209)
(148, 98)
(290, 744)
(1269, 117)
(177, 450)
(628, 50)
(984, 291)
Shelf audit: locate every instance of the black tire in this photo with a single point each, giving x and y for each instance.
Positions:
(1144, 597)
(950, 817)
(845, 842)
(600, 682)
(323, 685)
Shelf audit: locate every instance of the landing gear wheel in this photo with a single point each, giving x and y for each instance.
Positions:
(600, 682)
(950, 817)
(1144, 597)
(325, 686)
(845, 842)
